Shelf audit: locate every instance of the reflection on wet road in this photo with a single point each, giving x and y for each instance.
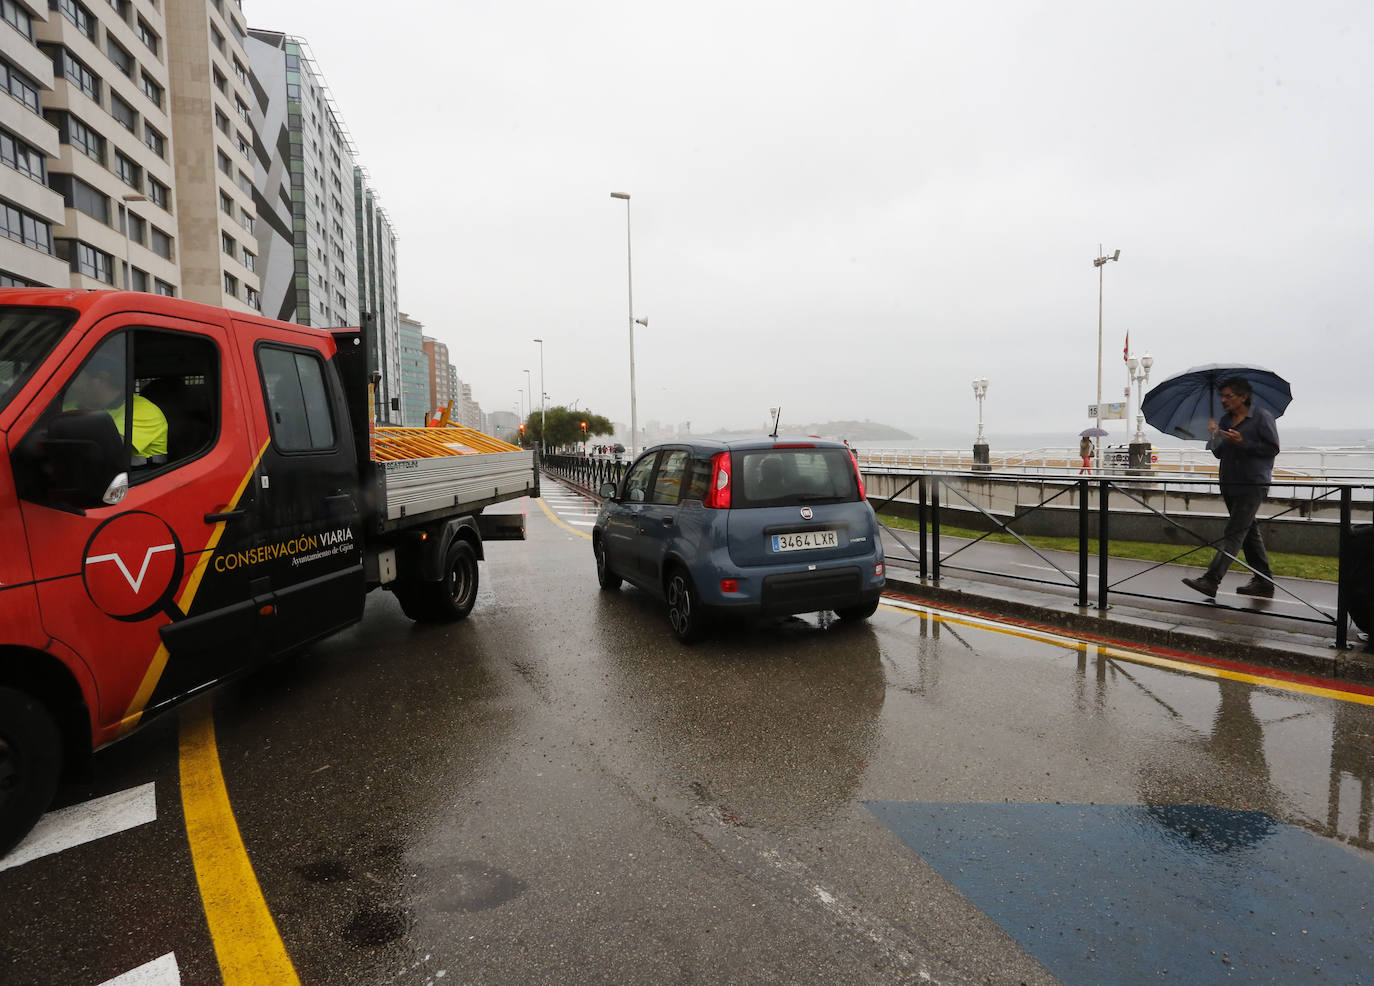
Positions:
(555, 791)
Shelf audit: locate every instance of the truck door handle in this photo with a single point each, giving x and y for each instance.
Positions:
(227, 515)
(336, 497)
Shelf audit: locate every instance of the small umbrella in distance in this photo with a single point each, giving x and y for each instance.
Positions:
(1182, 404)
(1093, 432)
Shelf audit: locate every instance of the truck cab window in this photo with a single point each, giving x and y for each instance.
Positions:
(297, 401)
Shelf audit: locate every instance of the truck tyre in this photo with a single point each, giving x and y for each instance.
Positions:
(451, 598)
(30, 764)
(684, 607)
(607, 579)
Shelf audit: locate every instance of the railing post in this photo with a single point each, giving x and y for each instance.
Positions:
(921, 521)
(1084, 494)
(1342, 560)
(935, 529)
(1102, 545)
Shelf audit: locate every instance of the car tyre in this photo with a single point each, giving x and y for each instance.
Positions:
(684, 607)
(452, 597)
(607, 579)
(30, 764)
(861, 612)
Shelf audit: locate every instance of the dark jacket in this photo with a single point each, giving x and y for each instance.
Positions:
(1249, 465)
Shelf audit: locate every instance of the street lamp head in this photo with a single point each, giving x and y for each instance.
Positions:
(1147, 361)
(540, 341)
(1131, 364)
(621, 195)
(643, 321)
(1117, 255)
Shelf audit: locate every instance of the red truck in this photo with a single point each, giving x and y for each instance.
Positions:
(186, 492)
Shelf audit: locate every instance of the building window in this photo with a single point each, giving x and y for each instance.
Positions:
(158, 193)
(245, 183)
(245, 148)
(160, 243)
(72, 131)
(25, 228)
(93, 263)
(221, 83)
(254, 299)
(217, 38)
(247, 221)
(163, 288)
(231, 285)
(20, 86)
(155, 141)
(224, 163)
(79, 16)
(123, 113)
(240, 71)
(138, 280)
(78, 195)
(138, 227)
(148, 36)
(120, 7)
(17, 17)
(228, 244)
(221, 121)
(75, 71)
(250, 261)
(226, 204)
(152, 90)
(241, 108)
(128, 172)
(23, 158)
(121, 58)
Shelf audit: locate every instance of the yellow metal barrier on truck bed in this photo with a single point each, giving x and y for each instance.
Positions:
(430, 443)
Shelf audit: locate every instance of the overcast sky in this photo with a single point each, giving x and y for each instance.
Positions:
(852, 209)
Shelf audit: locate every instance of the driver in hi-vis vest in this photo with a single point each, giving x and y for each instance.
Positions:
(100, 386)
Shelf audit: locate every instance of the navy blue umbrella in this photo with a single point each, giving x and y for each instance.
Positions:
(1182, 405)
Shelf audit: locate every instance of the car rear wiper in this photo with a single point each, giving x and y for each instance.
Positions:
(817, 497)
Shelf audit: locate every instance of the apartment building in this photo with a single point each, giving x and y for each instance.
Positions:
(212, 128)
(29, 209)
(438, 370)
(377, 292)
(308, 252)
(414, 397)
(109, 104)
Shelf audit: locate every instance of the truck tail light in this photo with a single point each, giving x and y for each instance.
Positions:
(718, 495)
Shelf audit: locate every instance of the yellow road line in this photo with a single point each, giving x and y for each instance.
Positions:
(566, 526)
(1136, 657)
(247, 945)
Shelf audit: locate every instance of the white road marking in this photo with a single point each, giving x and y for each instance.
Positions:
(86, 822)
(159, 972)
(582, 523)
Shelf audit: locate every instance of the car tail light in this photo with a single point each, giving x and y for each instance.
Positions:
(858, 477)
(729, 585)
(718, 495)
(793, 445)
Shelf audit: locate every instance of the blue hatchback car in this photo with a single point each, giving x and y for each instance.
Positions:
(757, 527)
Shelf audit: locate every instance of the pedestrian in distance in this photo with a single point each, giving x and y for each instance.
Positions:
(1085, 450)
(1246, 442)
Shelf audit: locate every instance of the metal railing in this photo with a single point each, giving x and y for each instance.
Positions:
(1095, 523)
(589, 472)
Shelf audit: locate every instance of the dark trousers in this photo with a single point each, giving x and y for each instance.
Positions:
(1241, 532)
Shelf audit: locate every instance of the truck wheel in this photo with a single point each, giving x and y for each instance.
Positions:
(30, 764)
(604, 576)
(453, 595)
(684, 607)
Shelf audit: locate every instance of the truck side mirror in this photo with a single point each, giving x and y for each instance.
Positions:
(72, 463)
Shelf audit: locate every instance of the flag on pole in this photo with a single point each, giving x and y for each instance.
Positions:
(1126, 349)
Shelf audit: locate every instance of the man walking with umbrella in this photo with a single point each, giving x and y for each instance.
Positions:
(1246, 441)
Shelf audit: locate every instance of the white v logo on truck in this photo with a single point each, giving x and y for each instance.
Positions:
(134, 583)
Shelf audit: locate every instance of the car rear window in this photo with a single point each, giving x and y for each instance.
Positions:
(792, 476)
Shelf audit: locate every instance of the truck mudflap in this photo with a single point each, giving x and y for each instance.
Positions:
(502, 527)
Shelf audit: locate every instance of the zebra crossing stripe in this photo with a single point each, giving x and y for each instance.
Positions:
(86, 822)
(161, 971)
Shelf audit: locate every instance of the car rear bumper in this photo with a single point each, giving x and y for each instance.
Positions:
(767, 592)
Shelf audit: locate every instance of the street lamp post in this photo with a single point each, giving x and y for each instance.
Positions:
(980, 444)
(542, 395)
(1100, 263)
(630, 289)
(1139, 371)
(126, 199)
(529, 397)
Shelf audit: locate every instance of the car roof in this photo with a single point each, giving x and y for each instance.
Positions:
(749, 444)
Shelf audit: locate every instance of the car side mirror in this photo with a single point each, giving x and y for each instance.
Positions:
(606, 491)
(74, 463)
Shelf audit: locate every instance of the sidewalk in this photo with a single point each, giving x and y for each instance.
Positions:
(1236, 633)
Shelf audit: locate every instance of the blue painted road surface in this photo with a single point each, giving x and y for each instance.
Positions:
(1148, 894)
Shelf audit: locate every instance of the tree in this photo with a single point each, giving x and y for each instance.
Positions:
(564, 427)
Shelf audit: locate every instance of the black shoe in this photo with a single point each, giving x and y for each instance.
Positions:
(1256, 587)
(1203, 585)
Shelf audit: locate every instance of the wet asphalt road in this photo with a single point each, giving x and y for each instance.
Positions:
(555, 792)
